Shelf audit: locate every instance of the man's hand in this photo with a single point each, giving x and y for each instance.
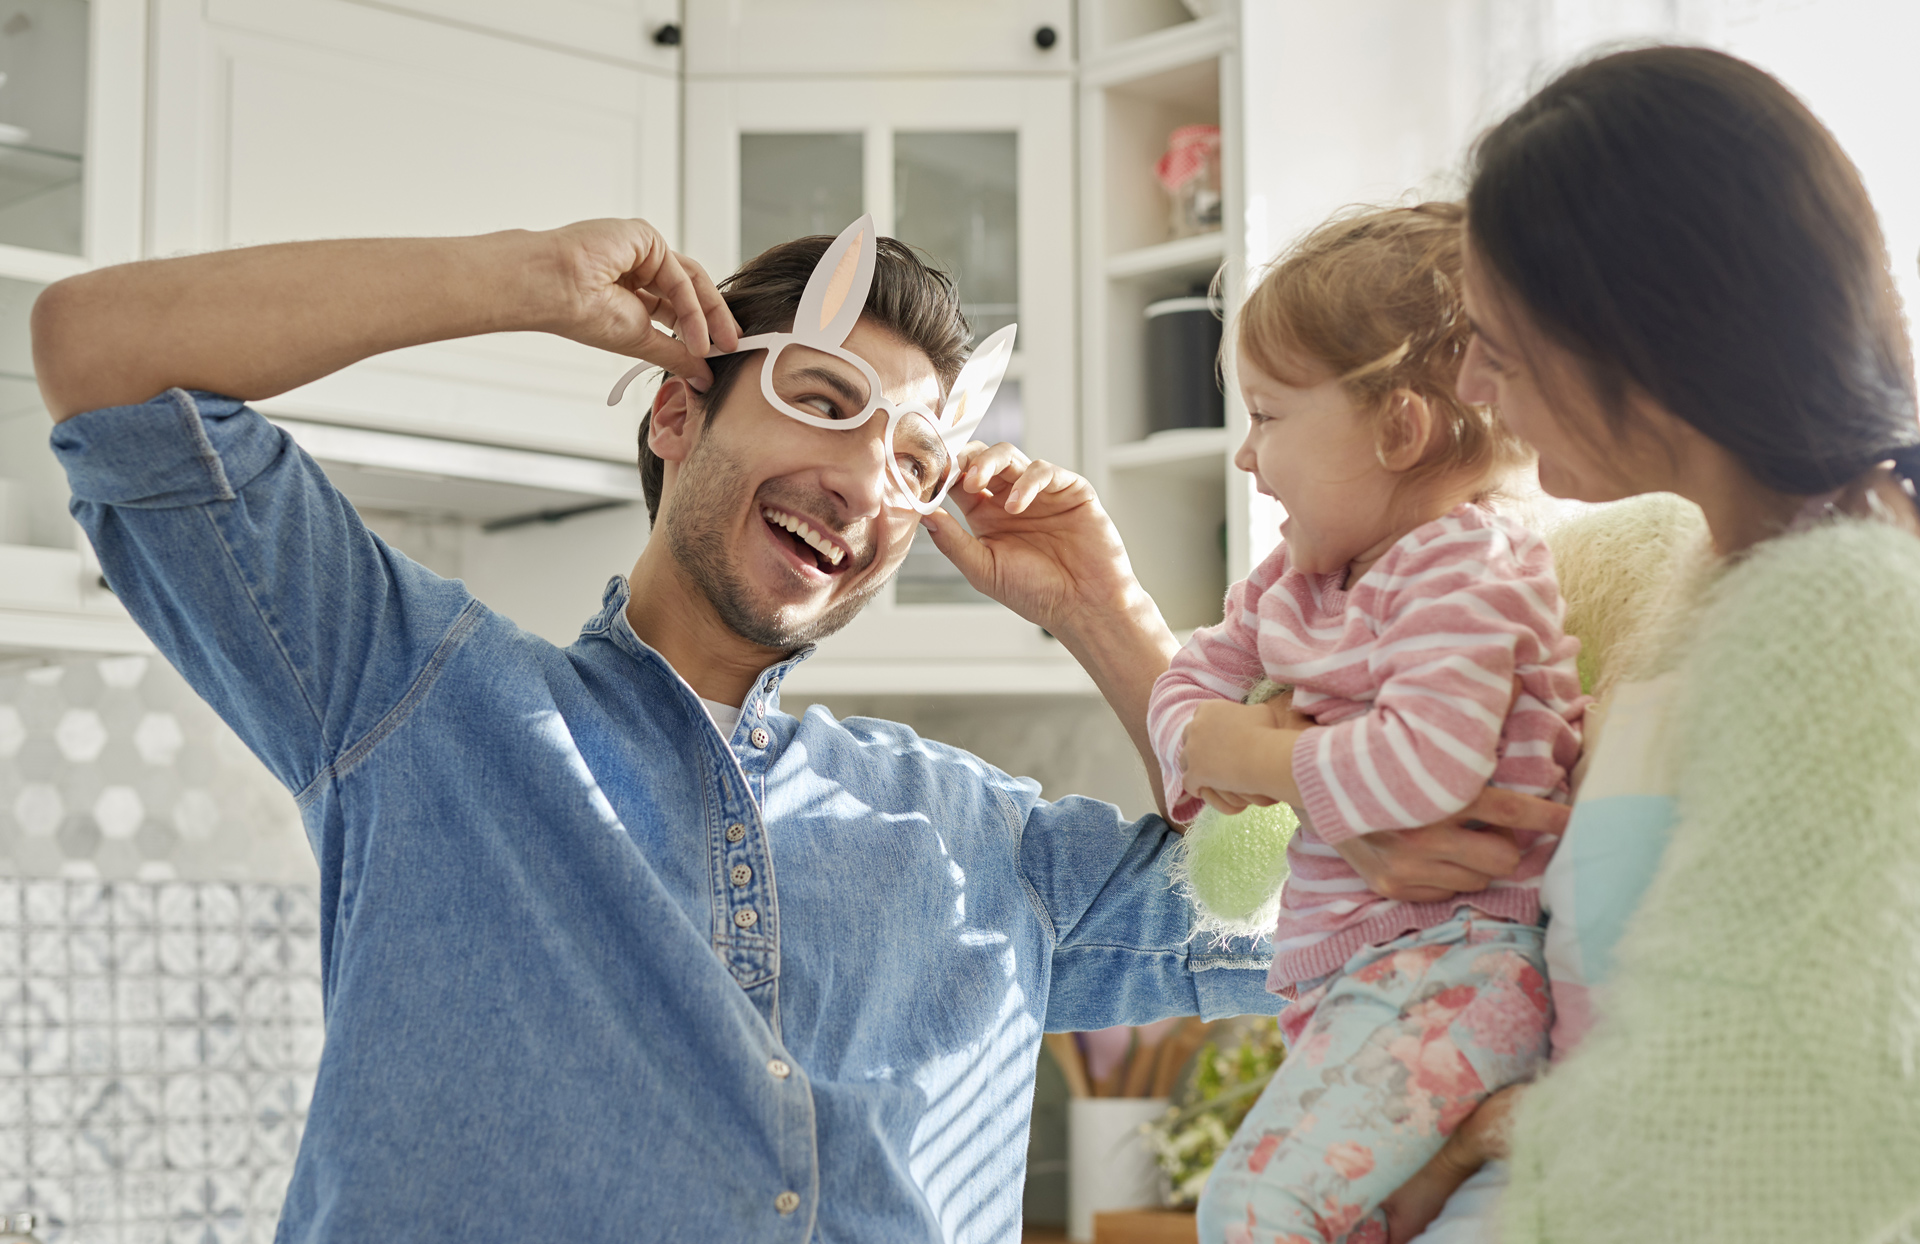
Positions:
(1463, 854)
(1041, 544)
(1237, 755)
(619, 279)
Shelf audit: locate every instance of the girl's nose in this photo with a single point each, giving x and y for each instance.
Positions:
(1244, 457)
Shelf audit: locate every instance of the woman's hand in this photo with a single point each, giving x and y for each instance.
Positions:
(1463, 854)
(1482, 1137)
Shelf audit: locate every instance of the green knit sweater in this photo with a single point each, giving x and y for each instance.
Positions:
(1754, 1075)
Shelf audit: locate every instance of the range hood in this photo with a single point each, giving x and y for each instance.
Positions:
(487, 484)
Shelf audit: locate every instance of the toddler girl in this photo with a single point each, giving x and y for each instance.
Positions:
(1420, 634)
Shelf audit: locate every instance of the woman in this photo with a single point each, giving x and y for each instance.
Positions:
(1678, 285)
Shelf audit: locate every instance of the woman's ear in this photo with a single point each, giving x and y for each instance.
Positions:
(1404, 431)
(674, 423)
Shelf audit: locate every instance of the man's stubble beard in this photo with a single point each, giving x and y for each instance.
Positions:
(708, 494)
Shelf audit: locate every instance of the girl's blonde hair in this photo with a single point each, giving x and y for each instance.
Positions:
(1373, 297)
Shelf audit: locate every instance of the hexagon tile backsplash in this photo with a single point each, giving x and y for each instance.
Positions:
(160, 1021)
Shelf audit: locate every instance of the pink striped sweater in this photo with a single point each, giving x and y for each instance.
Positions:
(1410, 679)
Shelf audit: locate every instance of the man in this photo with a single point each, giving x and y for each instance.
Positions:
(564, 992)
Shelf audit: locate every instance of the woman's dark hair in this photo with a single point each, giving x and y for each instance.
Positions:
(1682, 224)
(910, 299)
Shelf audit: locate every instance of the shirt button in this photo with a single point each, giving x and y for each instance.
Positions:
(736, 832)
(787, 1202)
(779, 1069)
(746, 918)
(760, 738)
(741, 874)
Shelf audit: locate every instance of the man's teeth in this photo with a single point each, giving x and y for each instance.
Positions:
(817, 542)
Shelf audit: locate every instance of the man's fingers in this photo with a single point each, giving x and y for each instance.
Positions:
(1037, 478)
(722, 328)
(669, 353)
(959, 546)
(982, 465)
(672, 284)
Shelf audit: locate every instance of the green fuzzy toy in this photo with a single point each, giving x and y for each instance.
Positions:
(1231, 868)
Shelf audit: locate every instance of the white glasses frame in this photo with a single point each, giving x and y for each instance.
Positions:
(829, 307)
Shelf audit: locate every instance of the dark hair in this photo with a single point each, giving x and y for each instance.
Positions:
(1682, 224)
(910, 298)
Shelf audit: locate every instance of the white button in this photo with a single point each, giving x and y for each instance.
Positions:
(787, 1202)
(760, 738)
(740, 875)
(779, 1069)
(746, 919)
(736, 832)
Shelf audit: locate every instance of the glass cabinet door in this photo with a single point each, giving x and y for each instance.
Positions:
(956, 196)
(792, 185)
(975, 173)
(43, 124)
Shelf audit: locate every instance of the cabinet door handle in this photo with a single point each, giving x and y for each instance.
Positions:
(667, 36)
(1045, 37)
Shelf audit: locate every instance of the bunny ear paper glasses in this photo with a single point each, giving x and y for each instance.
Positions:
(808, 375)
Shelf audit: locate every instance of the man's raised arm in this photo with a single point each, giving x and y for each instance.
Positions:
(255, 322)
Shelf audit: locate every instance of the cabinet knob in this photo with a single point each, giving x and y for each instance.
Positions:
(1045, 37)
(667, 36)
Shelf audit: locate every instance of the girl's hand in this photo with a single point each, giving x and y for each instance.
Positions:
(1482, 1137)
(1239, 752)
(1233, 802)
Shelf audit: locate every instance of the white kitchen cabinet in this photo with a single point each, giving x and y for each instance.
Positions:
(276, 120)
(71, 109)
(781, 38)
(978, 171)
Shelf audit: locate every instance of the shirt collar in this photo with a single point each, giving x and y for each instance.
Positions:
(612, 622)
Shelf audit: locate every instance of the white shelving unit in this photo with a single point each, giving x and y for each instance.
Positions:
(69, 200)
(1148, 67)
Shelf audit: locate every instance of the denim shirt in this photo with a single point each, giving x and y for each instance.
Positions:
(591, 970)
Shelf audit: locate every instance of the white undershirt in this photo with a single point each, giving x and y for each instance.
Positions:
(725, 716)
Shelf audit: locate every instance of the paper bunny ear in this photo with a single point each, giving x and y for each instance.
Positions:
(973, 392)
(836, 293)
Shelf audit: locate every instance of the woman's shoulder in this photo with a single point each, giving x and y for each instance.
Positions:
(1845, 581)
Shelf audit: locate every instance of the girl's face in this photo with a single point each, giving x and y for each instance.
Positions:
(1311, 449)
(1581, 458)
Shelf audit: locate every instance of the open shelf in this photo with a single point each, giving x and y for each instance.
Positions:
(1149, 69)
(1129, 50)
(1204, 448)
(1196, 256)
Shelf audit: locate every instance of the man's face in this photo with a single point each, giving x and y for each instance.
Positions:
(760, 506)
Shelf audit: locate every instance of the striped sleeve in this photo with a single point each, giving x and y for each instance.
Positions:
(1219, 663)
(1461, 617)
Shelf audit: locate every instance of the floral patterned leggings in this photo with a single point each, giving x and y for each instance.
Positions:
(1386, 1057)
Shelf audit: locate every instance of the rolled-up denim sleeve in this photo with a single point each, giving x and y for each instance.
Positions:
(252, 574)
(1124, 950)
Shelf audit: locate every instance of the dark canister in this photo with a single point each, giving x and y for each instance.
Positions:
(1183, 341)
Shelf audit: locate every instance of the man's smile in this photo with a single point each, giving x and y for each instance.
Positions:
(807, 542)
